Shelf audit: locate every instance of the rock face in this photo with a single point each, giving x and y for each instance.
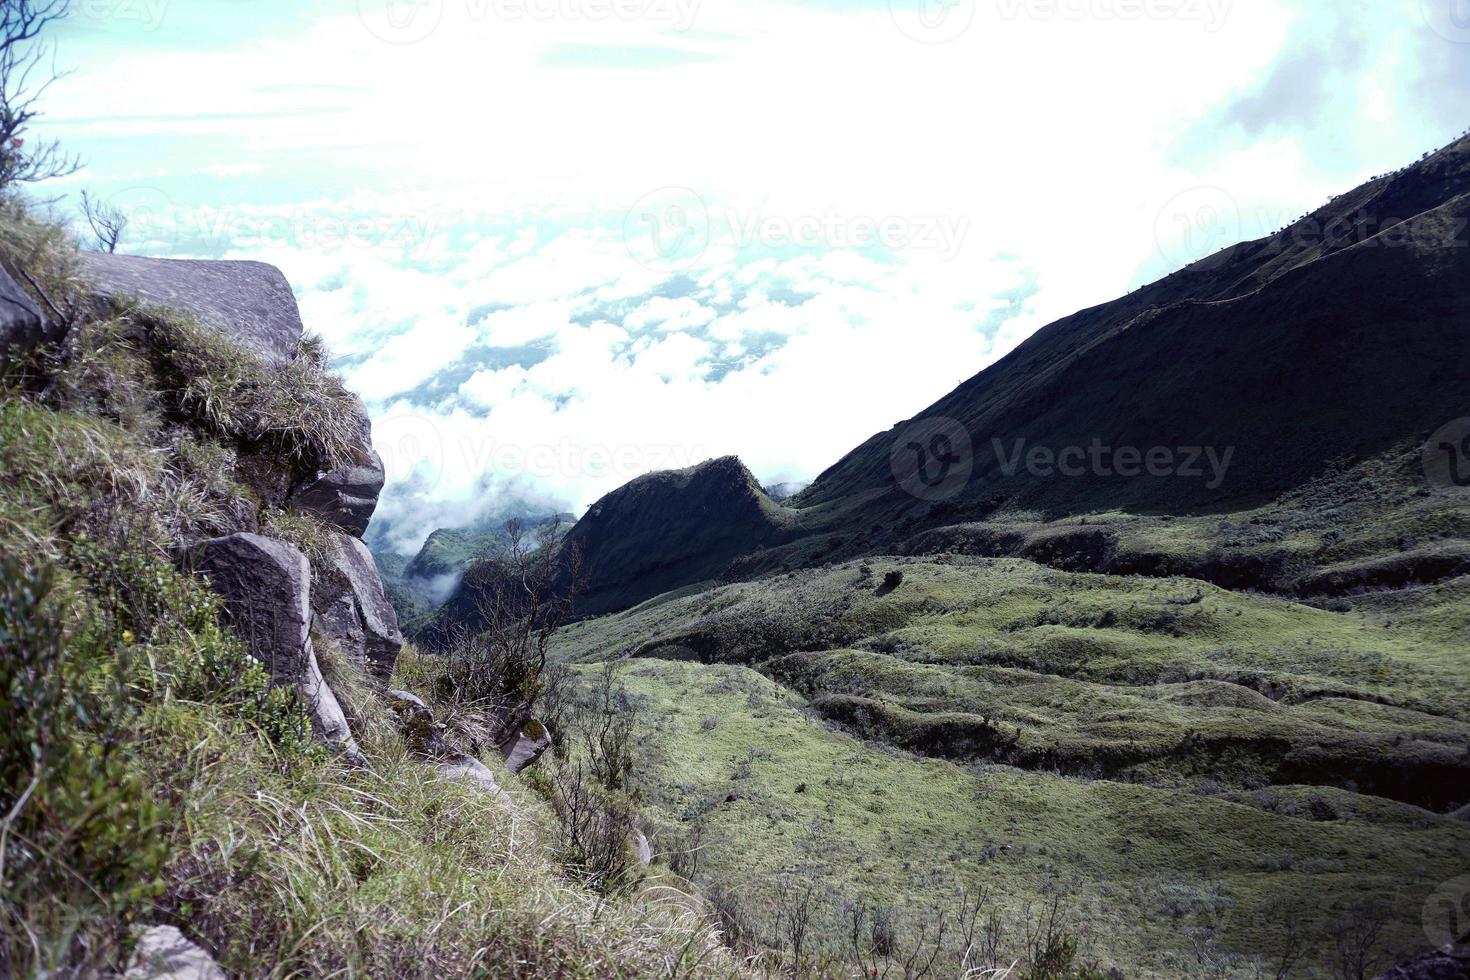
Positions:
(266, 585)
(250, 301)
(21, 323)
(162, 953)
(346, 496)
(353, 608)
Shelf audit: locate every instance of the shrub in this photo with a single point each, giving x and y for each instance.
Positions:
(521, 599)
(607, 733)
(892, 580)
(596, 830)
(83, 841)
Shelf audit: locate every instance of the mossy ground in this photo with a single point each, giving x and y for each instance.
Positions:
(1160, 882)
(1196, 768)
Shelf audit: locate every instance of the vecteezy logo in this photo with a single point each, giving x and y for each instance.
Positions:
(411, 447)
(153, 221)
(1450, 19)
(401, 21)
(932, 21)
(1447, 456)
(932, 459)
(1447, 915)
(667, 229)
(1196, 224)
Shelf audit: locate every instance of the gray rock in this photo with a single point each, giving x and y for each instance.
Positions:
(396, 695)
(250, 301)
(346, 496)
(266, 585)
(21, 324)
(526, 746)
(162, 953)
(471, 770)
(424, 737)
(645, 852)
(337, 618)
(361, 619)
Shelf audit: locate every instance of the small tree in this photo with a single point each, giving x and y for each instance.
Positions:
(522, 597)
(107, 222)
(607, 735)
(27, 70)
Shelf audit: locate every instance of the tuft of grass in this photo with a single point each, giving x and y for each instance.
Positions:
(298, 410)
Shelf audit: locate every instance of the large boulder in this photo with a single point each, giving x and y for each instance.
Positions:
(21, 324)
(353, 608)
(346, 496)
(266, 588)
(250, 301)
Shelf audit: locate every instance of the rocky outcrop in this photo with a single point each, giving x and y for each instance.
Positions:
(526, 745)
(21, 324)
(251, 302)
(162, 953)
(428, 740)
(352, 607)
(345, 497)
(266, 588)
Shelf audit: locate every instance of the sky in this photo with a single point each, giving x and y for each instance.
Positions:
(555, 244)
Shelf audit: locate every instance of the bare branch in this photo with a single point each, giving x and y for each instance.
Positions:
(27, 70)
(108, 223)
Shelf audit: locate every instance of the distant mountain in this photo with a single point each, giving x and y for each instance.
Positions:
(449, 550)
(417, 586)
(784, 491)
(1334, 338)
(670, 529)
(662, 531)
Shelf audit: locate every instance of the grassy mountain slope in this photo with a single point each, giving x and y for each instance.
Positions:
(1157, 882)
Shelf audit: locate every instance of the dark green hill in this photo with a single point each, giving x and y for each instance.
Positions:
(1337, 337)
